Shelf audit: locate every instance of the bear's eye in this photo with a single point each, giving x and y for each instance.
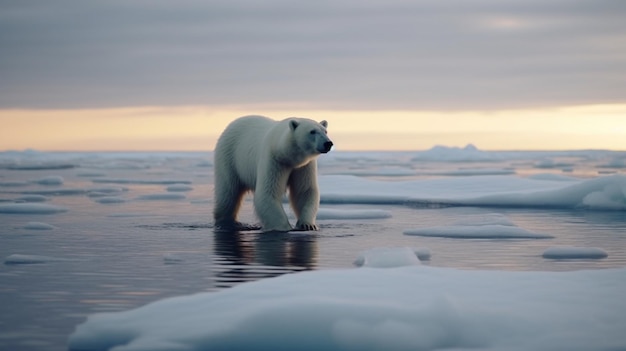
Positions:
(313, 132)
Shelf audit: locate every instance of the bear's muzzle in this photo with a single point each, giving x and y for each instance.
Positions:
(327, 146)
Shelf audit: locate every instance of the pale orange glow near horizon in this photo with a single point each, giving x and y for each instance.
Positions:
(196, 128)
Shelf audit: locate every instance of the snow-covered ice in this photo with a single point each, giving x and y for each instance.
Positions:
(602, 193)
(569, 252)
(406, 308)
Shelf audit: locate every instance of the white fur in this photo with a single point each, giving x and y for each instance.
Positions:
(255, 153)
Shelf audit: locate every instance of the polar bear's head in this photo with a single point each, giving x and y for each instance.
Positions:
(310, 136)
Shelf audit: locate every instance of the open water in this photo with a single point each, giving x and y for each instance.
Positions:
(138, 228)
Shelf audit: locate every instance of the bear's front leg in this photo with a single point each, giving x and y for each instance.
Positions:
(304, 196)
(271, 185)
(271, 213)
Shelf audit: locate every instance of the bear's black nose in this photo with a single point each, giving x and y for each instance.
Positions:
(327, 146)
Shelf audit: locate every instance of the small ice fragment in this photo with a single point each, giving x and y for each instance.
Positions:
(29, 208)
(387, 257)
(168, 196)
(179, 187)
(110, 200)
(38, 226)
(570, 252)
(172, 258)
(51, 180)
(29, 259)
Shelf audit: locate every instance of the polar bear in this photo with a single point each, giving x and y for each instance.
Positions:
(267, 157)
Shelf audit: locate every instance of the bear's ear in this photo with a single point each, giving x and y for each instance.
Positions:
(293, 124)
(324, 124)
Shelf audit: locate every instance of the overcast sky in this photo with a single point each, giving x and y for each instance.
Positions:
(355, 54)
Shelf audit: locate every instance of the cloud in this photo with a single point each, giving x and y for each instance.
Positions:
(482, 54)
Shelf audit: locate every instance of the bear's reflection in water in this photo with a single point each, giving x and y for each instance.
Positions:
(248, 256)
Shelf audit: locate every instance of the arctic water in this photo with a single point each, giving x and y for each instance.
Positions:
(82, 233)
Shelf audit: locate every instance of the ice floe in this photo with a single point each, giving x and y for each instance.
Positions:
(30, 259)
(50, 180)
(404, 308)
(31, 208)
(140, 181)
(179, 187)
(164, 196)
(38, 226)
(491, 226)
(109, 200)
(171, 258)
(602, 193)
(31, 198)
(570, 252)
(389, 257)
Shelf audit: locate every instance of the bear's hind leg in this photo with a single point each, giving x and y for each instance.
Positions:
(228, 198)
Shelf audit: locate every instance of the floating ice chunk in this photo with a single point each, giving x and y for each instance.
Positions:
(387, 257)
(31, 198)
(30, 259)
(487, 191)
(491, 231)
(50, 180)
(172, 258)
(40, 166)
(611, 196)
(165, 196)
(90, 174)
(109, 189)
(14, 184)
(423, 253)
(569, 252)
(179, 187)
(548, 163)
(404, 308)
(56, 192)
(110, 200)
(141, 181)
(385, 172)
(30, 208)
(488, 226)
(327, 213)
(616, 162)
(462, 172)
(553, 177)
(38, 226)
